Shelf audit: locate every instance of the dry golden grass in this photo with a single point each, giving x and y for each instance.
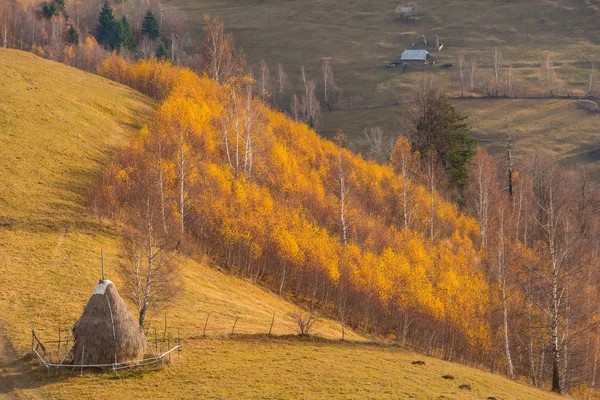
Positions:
(297, 368)
(49, 264)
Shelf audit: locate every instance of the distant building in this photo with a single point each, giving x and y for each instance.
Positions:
(406, 12)
(415, 57)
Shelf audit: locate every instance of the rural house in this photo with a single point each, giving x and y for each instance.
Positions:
(415, 57)
(407, 13)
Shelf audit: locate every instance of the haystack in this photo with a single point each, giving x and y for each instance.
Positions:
(106, 332)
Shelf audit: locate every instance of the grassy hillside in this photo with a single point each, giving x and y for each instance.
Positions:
(361, 36)
(49, 246)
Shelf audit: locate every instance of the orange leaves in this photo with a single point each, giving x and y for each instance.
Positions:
(264, 192)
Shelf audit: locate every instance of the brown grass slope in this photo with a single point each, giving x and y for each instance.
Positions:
(361, 36)
(58, 126)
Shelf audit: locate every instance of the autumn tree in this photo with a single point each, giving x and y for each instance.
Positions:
(329, 87)
(407, 164)
(461, 73)
(590, 90)
(482, 192)
(472, 69)
(549, 76)
(221, 58)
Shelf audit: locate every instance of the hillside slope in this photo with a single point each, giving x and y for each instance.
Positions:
(49, 246)
(361, 36)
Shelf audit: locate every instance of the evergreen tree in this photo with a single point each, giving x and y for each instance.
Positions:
(126, 35)
(108, 29)
(436, 125)
(62, 8)
(161, 51)
(49, 9)
(72, 35)
(150, 26)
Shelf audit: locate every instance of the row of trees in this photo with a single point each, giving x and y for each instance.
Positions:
(539, 242)
(54, 29)
(513, 286)
(502, 80)
(269, 199)
(306, 103)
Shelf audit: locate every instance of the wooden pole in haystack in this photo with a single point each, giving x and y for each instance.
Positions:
(82, 357)
(102, 257)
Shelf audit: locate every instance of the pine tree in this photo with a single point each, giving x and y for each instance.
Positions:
(49, 9)
(161, 52)
(126, 35)
(62, 8)
(150, 25)
(108, 29)
(72, 35)
(437, 126)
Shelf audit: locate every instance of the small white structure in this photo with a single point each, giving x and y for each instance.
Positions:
(415, 57)
(407, 13)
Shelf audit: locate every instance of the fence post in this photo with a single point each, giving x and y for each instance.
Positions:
(165, 331)
(59, 338)
(235, 322)
(272, 322)
(178, 342)
(67, 339)
(205, 323)
(169, 347)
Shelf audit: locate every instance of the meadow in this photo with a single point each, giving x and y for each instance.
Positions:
(360, 37)
(49, 244)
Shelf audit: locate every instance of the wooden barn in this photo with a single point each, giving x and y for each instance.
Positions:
(420, 57)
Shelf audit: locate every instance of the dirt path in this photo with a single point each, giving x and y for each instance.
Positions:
(15, 381)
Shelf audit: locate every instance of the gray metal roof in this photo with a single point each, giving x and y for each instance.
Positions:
(407, 9)
(420, 55)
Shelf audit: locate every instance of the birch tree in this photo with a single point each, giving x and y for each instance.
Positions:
(496, 71)
(472, 69)
(461, 73)
(590, 90)
(329, 87)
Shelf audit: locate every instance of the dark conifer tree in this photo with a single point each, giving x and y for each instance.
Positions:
(161, 52)
(72, 36)
(108, 29)
(150, 26)
(49, 9)
(126, 35)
